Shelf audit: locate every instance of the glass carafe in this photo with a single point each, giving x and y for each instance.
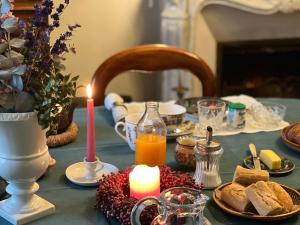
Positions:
(175, 206)
(151, 137)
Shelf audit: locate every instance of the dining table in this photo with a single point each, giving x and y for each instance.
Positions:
(75, 205)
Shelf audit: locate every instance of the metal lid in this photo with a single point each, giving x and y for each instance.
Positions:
(211, 146)
(237, 105)
(187, 140)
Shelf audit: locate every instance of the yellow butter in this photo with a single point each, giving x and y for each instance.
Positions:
(270, 159)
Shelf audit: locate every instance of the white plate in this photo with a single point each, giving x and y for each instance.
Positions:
(187, 127)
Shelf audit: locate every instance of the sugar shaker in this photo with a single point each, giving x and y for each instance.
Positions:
(208, 154)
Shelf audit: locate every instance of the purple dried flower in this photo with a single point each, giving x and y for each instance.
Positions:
(22, 24)
(68, 34)
(37, 35)
(60, 8)
(56, 23)
(55, 16)
(29, 40)
(48, 3)
(45, 37)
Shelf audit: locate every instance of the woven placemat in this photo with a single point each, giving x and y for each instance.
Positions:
(67, 137)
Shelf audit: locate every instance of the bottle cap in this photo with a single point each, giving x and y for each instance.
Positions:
(236, 105)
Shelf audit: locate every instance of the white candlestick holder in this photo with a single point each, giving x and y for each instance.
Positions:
(89, 173)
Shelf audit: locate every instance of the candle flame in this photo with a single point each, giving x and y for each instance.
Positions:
(89, 91)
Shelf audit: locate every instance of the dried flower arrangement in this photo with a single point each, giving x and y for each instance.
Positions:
(113, 194)
(31, 69)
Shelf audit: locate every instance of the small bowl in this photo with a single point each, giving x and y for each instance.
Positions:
(172, 114)
(184, 151)
(267, 113)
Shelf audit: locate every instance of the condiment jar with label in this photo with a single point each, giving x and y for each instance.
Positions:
(208, 154)
(236, 115)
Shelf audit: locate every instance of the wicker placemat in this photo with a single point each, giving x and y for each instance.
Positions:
(67, 137)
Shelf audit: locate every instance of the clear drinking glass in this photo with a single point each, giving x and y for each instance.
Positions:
(175, 206)
(211, 113)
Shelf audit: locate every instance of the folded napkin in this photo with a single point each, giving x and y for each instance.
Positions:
(247, 100)
(115, 103)
(251, 127)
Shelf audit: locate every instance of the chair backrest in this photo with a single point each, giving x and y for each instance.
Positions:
(151, 58)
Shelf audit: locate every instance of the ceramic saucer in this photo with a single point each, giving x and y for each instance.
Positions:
(76, 173)
(286, 166)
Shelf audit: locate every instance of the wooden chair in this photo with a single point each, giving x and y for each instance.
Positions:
(24, 8)
(151, 58)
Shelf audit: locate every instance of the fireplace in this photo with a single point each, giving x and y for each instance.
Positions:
(251, 46)
(260, 68)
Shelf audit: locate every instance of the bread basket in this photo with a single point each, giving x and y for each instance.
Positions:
(289, 143)
(293, 193)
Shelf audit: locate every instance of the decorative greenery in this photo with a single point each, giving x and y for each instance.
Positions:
(31, 69)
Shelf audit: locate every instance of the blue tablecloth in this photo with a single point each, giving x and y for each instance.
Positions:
(75, 204)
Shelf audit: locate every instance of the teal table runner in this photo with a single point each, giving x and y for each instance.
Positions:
(75, 204)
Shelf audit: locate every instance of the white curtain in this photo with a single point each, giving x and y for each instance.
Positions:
(175, 32)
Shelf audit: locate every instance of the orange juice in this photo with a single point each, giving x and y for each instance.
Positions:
(151, 150)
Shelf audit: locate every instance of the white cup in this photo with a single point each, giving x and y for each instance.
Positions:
(130, 128)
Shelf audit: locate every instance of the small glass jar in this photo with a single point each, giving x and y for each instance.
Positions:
(236, 115)
(184, 151)
(207, 163)
(151, 137)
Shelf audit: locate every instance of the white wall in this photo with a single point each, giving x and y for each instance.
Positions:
(109, 26)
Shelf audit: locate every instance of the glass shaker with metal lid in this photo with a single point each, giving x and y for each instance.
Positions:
(208, 154)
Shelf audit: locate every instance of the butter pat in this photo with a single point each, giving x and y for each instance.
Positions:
(270, 159)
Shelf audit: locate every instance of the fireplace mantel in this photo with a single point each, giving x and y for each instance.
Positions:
(185, 18)
(254, 6)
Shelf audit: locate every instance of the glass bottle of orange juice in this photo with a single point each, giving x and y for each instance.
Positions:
(151, 137)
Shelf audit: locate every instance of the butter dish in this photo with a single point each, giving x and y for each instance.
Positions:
(287, 166)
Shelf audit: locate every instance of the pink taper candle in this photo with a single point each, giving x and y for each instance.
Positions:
(91, 148)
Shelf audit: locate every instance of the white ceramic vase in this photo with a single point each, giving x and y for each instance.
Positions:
(24, 157)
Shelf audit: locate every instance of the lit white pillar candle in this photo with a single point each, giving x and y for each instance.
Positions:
(144, 181)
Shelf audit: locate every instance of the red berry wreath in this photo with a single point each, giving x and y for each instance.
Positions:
(113, 194)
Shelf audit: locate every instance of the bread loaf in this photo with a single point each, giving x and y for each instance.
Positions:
(293, 134)
(263, 199)
(235, 196)
(284, 198)
(246, 176)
